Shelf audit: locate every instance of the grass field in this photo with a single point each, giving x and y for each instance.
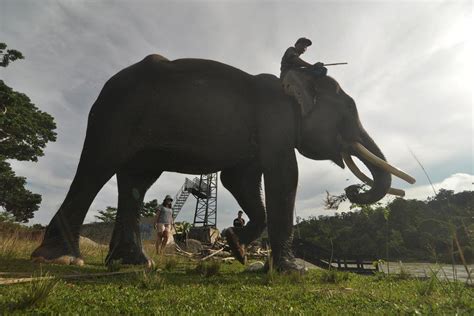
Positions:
(179, 285)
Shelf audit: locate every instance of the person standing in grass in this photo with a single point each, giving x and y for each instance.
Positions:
(239, 222)
(163, 222)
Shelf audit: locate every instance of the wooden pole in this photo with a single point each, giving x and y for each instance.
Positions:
(73, 276)
(334, 64)
(212, 254)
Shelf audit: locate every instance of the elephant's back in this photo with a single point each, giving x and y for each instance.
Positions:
(203, 79)
(216, 99)
(210, 67)
(178, 105)
(196, 103)
(156, 65)
(204, 87)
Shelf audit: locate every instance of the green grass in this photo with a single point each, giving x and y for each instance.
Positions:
(34, 293)
(178, 285)
(207, 268)
(333, 276)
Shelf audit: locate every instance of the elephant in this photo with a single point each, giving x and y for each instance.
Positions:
(199, 116)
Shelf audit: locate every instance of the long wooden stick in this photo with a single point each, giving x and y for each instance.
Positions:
(212, 254)
(334, 64)
(179, 250)
(77, 276)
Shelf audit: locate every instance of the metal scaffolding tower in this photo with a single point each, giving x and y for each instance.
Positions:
(206, 202)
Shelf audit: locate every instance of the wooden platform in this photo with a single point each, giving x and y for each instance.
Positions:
(324, 259)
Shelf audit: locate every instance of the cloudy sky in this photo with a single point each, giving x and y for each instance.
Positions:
(410, 73)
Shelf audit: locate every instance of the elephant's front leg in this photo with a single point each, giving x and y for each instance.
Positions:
(126, 244)
(281, 180)
(244, 182)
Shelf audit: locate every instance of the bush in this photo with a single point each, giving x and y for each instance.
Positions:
(333, 276)
(208, 269)
(171, 263)
(150, 280)
(36, 293)
(426, 287)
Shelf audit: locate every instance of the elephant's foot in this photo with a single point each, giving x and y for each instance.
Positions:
(56, 255)
(285, 265)
(238, 251)
(128, 255)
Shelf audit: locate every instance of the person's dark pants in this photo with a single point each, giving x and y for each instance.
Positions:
(319, 71)
(315, 72)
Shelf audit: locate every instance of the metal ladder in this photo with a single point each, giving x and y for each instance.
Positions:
(180, 199)
(188, 187)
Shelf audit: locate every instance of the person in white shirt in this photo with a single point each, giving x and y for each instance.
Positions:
(163, 222)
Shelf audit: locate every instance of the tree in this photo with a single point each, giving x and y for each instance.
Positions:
(15, 199)
(24, 133)
(107, 216)
(24, 129)
(149, 208)
(110, 213)
(6, 217)
(8, 56)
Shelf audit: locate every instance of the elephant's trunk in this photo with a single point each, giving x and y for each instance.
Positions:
(382, 178)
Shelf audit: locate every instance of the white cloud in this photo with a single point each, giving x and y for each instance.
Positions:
(457, 182)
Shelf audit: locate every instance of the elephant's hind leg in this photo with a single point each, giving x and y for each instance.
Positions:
(126, 244)
(244, 182)
(61, 239)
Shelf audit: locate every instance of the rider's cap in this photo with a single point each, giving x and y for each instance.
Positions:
(168, 197)
(304, 41)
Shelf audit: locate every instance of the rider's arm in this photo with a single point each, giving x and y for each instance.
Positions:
(299, 62)
(292, 57)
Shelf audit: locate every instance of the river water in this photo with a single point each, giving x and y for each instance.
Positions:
(422, 269)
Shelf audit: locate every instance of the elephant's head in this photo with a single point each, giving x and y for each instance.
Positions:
(330, 129)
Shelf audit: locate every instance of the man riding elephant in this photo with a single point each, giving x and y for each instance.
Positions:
(291, 60)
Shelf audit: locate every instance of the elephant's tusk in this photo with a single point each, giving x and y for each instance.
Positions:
(359, 174)
(364, 152)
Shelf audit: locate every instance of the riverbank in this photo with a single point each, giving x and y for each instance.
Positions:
(426, 269)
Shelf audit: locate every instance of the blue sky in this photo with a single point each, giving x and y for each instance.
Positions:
(410, 73)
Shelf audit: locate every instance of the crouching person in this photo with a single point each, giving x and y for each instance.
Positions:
(163, 222)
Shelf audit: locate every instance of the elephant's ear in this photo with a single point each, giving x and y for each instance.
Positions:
(298, 85)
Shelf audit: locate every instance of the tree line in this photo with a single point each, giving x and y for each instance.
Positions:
(439, 229)
(109, 214)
